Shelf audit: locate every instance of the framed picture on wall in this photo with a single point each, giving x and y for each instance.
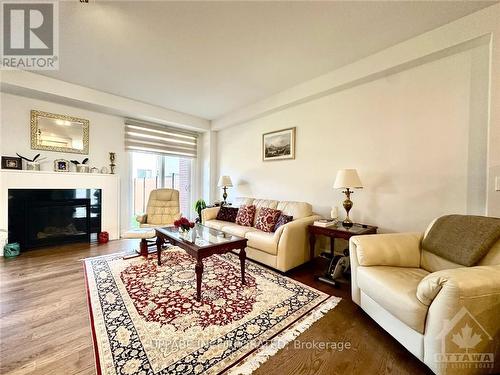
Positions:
(278, 145)
(10, 162)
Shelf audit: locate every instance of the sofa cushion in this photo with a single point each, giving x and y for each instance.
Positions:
(237, 230)
(463, 239)
(296, 209)
(267, 218)
(243, 201)
(245, 215)
(216, 224)
(264, 241)
(395, 289)
(282, 220)
(227, 214)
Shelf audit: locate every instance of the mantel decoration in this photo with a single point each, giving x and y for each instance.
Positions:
(60, 133)
(10, 162)
(112, 165)
(32, 164)
(278, 145)
(82, 167)
(61, 165)
(347, 179)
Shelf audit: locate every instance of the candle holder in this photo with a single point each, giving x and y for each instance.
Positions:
(112, 165)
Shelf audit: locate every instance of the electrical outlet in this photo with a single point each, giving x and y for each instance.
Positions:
(497, 183)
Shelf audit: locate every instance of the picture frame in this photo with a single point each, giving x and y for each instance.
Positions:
(279, 145)
(12, 162)
(61, 165)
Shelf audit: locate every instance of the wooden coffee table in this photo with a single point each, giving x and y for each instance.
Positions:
(206, 242)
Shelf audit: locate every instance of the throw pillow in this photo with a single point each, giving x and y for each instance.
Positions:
(245, 215)
(282, 220)
(227, 214)
(267, 218)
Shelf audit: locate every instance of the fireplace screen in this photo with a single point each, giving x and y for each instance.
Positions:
(40, 217)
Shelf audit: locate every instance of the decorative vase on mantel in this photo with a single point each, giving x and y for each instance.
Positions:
(112, 165)
(32, 166)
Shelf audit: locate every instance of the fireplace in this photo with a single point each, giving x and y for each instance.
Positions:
(43, 217)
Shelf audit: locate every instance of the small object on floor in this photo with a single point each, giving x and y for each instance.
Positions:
(339, 265)
(103, 237)
(11, 250)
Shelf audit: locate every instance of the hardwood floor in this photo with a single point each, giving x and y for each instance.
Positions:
(45, 328)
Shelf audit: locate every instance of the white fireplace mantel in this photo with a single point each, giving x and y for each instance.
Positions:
(108, 183)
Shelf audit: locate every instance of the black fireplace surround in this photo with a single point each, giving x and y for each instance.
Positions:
(43, 217)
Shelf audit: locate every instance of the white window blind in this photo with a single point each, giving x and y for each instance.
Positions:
(158, 139)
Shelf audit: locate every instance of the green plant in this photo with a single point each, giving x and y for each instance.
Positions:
(199, 206)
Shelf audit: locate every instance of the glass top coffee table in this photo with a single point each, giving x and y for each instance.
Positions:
(200, 243)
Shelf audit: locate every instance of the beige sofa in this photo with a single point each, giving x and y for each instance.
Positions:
(284, 249)
(419, 298)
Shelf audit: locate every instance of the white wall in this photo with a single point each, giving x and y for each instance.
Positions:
(408, 134)
(106, 135)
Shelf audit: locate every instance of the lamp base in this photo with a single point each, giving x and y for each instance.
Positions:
(224, 195)
(347, 224)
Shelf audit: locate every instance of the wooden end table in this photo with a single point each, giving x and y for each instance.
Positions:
(333, 232)
(206, 242)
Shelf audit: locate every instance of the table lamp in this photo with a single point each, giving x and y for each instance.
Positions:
(224, 183)
(347, 179)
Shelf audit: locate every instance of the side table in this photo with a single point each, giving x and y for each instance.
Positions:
(336, 231)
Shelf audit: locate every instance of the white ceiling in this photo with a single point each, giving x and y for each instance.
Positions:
(209, 58)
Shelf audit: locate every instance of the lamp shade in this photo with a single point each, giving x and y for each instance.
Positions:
(347, 178)
(225, 181)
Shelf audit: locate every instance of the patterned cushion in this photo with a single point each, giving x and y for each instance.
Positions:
(282, 220)
(266, 219)
(245, 215)
(227, 214)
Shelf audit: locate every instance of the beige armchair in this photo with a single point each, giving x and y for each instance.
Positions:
(442, 312)
(163, 209)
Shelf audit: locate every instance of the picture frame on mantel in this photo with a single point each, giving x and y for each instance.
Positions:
(278, 145)
(11, 162)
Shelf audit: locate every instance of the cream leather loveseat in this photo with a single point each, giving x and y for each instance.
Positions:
(419, 298)
(284, 249)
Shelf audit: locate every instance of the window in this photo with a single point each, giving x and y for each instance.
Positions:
(151, 171)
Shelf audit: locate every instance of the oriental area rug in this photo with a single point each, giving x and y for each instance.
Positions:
(146, 320)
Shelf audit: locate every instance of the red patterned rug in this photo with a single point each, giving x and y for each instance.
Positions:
(146, 320)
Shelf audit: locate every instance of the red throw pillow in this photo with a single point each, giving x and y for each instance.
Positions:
(245, 215)
(267, 218)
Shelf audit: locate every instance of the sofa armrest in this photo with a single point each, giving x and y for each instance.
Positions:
(456, 297)
(293, 244)
(209, 214)
(141, 218)
(463, 282)
(394, 249)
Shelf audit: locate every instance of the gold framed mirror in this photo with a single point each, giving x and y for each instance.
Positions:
(61, 133)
